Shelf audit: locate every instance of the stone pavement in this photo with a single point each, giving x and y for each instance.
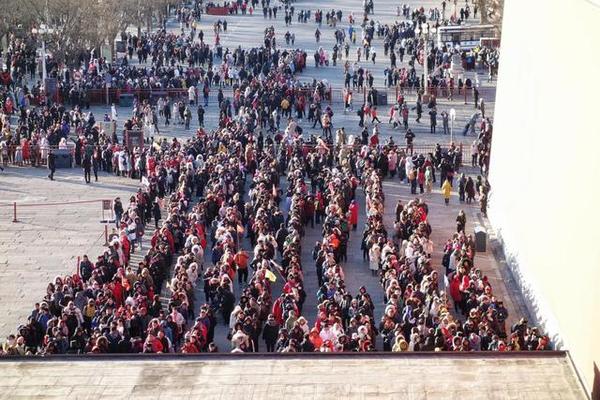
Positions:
(46, 241)
(416, 377)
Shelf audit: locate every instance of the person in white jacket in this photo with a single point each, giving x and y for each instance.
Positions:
(192, 94)
(374, 258)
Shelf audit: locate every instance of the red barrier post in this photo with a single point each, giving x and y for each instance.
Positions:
(15, 212)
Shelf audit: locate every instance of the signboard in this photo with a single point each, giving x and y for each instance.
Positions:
(106, 51)
(107, 219)
(217, 11)
(493, 43)
(120, 46)
(51, 88)
(107, 79)
(133, 139)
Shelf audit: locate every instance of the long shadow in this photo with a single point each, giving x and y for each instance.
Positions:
(60, 174)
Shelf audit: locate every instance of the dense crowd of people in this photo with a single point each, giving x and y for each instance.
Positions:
(225, 213)
(185, 62)
(483, 315)
(111, 305)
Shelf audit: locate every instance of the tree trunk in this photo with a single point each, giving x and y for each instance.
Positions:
(149, 20)
(112, 50)
(483, 11)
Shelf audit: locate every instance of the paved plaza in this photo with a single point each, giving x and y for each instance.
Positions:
(46, 240)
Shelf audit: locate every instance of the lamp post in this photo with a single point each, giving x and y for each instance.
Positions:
(455, 1)
(426, 30)
(452, 118)
(43, 30)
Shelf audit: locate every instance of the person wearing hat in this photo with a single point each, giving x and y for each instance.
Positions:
(400, 345)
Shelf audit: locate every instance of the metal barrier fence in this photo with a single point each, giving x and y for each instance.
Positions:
(392, 93)
(332, 95)
(40, 158)
(114, 95)
(16, 205)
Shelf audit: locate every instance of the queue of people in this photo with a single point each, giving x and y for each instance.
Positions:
(235, 230)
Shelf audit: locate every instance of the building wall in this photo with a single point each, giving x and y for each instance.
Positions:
(545, 167)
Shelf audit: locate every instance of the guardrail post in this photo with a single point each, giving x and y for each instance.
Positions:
(15, 212)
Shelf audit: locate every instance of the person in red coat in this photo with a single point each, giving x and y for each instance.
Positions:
(353, 209)
(117, 291)
(421, 178)
(455, 291)
(170, 239)
(26, 151)
(125, 247)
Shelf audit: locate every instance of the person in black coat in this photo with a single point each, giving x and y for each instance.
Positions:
(78, 146)
(200, 115)
(96, 162)
(270, 333)
(226, 302)
(156, 213)
(87, 168)
(51, 164)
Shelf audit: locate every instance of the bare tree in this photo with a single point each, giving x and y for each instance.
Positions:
(14, 16)
(73, 23)
(495, 12)
(79, 26)
(114, 16)
(491, 11)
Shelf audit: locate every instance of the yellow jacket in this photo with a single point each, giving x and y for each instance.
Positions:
(446, 189)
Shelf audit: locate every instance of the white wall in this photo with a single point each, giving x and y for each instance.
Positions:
(545, 166)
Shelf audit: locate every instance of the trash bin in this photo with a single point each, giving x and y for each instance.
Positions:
(63, 158)
(126, 100)
(381, 98)
(480, 239)
(372, 97)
